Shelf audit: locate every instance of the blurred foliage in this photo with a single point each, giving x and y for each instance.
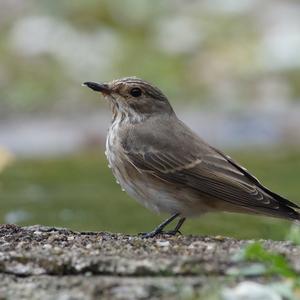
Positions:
(294, 234)
(79, 192)
(276, 263)
(261, 261)
(211, 51)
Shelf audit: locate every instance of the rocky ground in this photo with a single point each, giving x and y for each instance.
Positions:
(51, 263)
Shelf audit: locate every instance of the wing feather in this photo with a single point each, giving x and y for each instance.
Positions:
(179, 157)
(215, 176)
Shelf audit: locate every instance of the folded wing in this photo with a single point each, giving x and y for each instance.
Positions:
(213, 174)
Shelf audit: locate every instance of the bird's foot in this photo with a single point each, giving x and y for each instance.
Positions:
(172, 232)
(159, 228)
(151, 234)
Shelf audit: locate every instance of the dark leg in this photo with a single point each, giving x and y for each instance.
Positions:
(177, 227)
(159, 228)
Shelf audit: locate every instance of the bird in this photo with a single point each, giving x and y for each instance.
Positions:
(158, 160)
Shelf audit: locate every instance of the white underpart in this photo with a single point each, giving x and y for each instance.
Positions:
(152, 197)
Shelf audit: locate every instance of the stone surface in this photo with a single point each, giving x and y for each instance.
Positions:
(54, 263)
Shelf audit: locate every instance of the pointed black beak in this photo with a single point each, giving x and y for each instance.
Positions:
(99, 87)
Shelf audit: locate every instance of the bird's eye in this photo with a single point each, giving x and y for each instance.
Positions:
(135, 92)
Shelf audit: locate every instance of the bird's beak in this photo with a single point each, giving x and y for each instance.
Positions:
(99, 87)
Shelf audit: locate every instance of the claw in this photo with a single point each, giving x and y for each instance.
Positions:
(159, 229)
(151, 234)
(172, 232)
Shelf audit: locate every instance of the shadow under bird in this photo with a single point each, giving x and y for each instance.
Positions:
(162, 163)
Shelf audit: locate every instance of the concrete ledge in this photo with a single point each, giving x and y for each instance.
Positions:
(40, 262)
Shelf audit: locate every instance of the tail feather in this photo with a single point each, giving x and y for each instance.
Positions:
(287, 212)
(282, 201)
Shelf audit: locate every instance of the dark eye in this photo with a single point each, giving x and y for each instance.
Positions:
(135, 92)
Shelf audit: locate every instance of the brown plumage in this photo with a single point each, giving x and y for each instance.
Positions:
(159, 161)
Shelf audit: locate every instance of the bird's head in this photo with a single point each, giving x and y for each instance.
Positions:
(133, 96)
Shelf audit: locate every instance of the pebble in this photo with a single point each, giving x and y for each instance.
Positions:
(37, 232)
(88, 246)
(162, 243)
(47, 246)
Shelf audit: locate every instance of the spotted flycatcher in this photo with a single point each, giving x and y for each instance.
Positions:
(162, 163)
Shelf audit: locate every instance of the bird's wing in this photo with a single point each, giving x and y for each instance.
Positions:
(210, 173)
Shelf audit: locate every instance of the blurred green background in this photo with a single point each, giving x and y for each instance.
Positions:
(230, 68)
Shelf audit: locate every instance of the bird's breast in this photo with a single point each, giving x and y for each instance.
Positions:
(111, 139)
(155, 194)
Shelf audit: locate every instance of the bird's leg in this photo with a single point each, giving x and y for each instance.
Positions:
(177, 227)
(160, 227)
